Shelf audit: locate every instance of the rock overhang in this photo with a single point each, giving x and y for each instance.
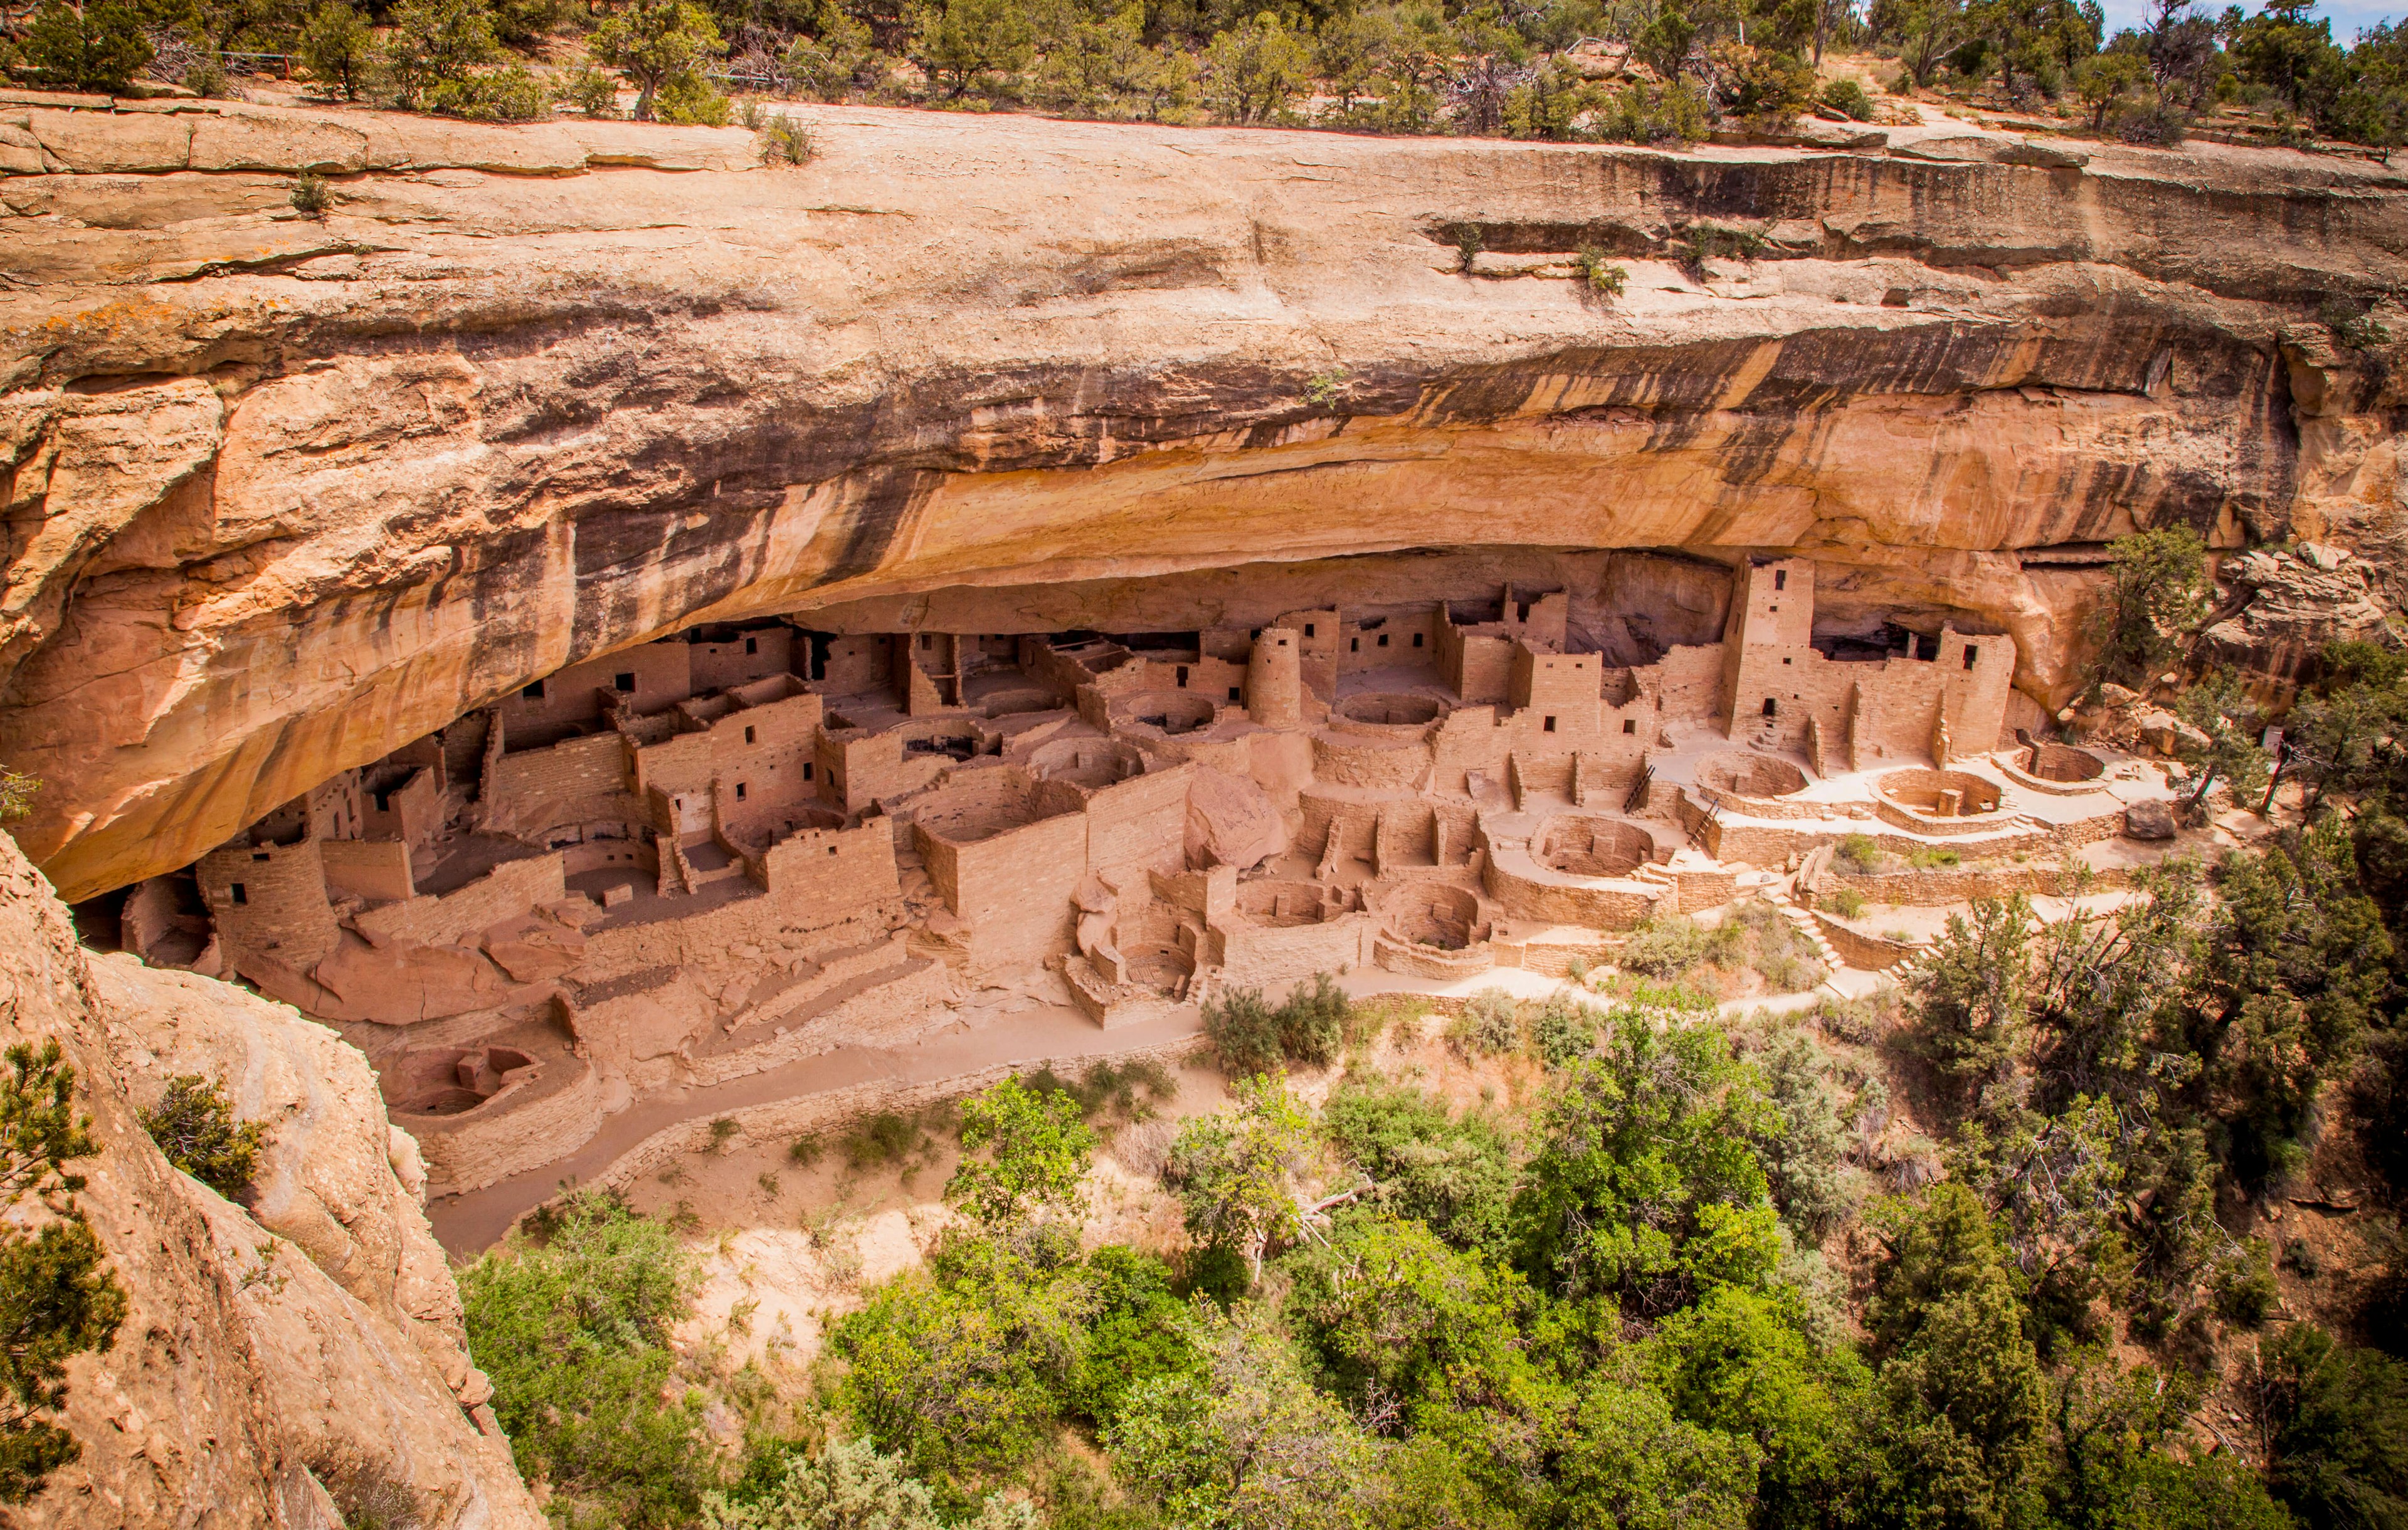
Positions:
(953, 365)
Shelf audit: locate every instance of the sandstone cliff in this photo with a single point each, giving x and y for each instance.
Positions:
(313, 1337)
(285, 494)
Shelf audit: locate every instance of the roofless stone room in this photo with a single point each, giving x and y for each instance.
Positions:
(984, 768)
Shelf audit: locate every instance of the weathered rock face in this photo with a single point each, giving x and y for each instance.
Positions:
(318, 1332)
(286, 495)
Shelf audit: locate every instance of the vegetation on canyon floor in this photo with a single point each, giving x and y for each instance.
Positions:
(1668, 71)
(1999, 1257)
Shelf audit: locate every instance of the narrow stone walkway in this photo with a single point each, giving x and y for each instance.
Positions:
(469, 1223)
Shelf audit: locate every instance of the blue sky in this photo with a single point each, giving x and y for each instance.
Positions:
(2347, 16)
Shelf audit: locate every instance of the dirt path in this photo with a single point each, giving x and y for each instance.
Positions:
(468, 1223)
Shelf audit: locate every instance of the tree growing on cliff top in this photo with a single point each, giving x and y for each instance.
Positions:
(433, 43)
(337, 49)
(661, 48)
(94, 48)
(57, 1298)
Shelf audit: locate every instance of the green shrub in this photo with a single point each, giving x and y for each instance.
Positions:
(1849, 99)
(1453, 1174)
(1469, 243)
(784, 140)
(1600, 274)
(2158, 125)
(1312, 1022)
(206, 78)
(574, 1332)
(2244, 1288)
(847, 1486)
(1561, 1029)
(1489, 1025)
(690, 102)
(338, 48)
(310, 197)
(1703, 242)
(2336, 1419)
(724, 1130)
(1647, 113)
(1930, 857)
(433, 44)
(194, 1126)
(89, 47)
(1847, 903)
(1856, 854)
(17, 794)
(593, 91)
(662, 46)
(887, 1138)
(491, 96)
(1251, 1037)
(1666, 947)
(803, 1150)
(1244, 1029)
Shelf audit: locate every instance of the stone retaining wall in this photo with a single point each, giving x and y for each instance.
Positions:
(1963, 884)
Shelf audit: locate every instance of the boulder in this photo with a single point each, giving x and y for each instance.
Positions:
(2168, 733)
(2151, 819)
(1231, 822)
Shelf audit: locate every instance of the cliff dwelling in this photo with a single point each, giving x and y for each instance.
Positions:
(744, 845)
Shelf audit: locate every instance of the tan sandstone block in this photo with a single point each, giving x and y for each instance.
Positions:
(277, 141)
(93, 143)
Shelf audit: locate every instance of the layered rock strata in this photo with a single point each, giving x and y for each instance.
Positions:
(286, 495)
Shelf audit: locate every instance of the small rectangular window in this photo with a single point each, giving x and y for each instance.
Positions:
(927, 641)
(1971, 653)
(1630, 724)
(1307, 629)
(739, 790)
(1549, 726)
(752, 645)
(1771, 707)
(260, 855)
(624, 681)
(1182, 676)
(1789, 661)
(384, 802)
(532, 693)
(1356, 646)
(1417, 639)
(807, 770)
(1781, 578)
(748, 736)
(241, 893)
(1236, 694)
(1384, 639)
